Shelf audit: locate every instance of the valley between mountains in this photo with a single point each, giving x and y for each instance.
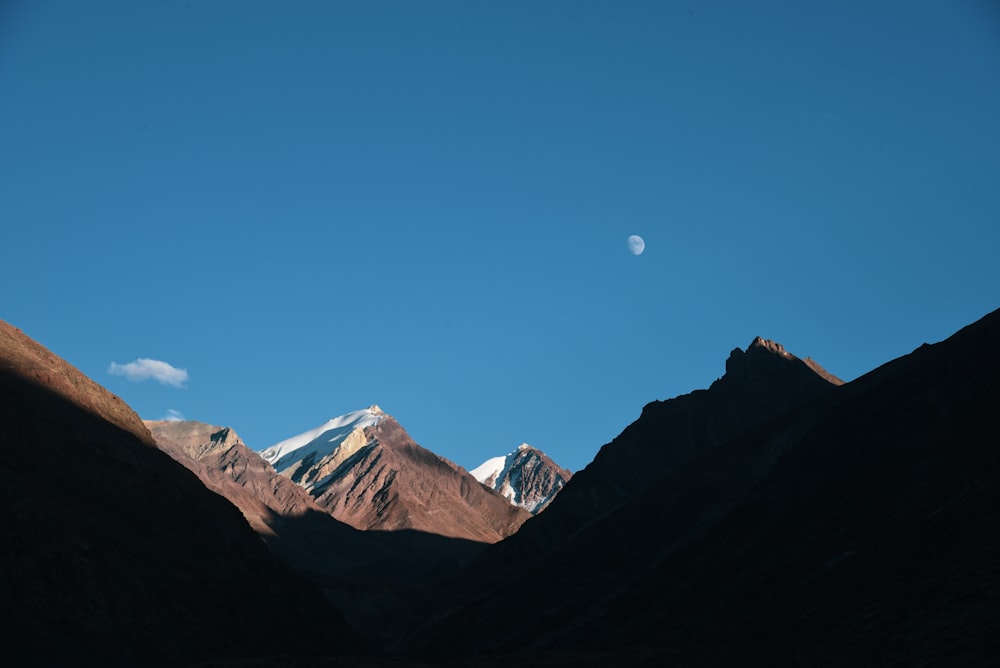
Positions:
(780, 516)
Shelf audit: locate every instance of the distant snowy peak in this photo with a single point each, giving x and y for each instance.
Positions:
(322, 441)
(526, 477)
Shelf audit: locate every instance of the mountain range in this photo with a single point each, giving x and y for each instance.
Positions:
(777, 517)
(365, 470)
(295, 526)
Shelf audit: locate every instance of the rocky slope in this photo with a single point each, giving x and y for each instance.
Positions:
(365, 470)
(228, 467)
(275, 507)
(116, 555)
(526, 477)
(290, 521)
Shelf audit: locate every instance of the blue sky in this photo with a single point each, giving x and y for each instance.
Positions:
(310, 207)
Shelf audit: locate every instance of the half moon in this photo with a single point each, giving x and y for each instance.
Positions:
(636, 245)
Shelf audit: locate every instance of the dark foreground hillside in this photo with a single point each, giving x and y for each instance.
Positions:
(859, 528)
(114, 554)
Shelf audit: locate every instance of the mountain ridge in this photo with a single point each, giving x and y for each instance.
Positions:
(853, 529)
(759, 385)
(25, 357)
(775, 518)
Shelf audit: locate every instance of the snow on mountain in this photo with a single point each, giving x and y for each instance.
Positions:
(365, 470)
(322, 441)
(526, 477)
(491, 469)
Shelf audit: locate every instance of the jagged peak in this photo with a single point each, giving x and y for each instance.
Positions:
(757, 348)
(524, 446)
(770, 346)
(764, 354)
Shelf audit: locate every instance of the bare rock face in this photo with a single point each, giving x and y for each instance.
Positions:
(114, 554)
(228, 467)
(526, 477)
(281, 512)
(365, 470)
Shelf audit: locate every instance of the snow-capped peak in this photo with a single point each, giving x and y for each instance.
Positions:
(322, 440)
(526, 477)
(493, 470)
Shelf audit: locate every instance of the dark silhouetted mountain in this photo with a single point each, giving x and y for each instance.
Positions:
(365, 470)
(856, 527)
(759, 385)
(293, 525)
(114, 554)
(526, 477)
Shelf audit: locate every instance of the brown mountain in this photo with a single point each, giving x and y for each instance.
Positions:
(365, 470)
(857, 528)
(230, 468)
(290, 521)
(274, 506)
(115, 554)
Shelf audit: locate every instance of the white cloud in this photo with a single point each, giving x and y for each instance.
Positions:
(144, 369)
(173, 416)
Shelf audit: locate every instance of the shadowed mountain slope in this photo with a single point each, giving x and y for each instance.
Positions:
(759, 385)
(273, 505)
(857, 529)
(115, 554)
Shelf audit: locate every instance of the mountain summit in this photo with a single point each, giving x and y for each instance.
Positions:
(762, 353)
(365, 470)
(760, 384)
(321, 444)
(526, 477)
